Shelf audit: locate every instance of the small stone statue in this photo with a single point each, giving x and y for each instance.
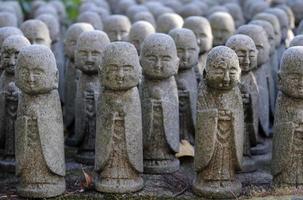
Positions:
(8, 19)
(117, 27)
(36, 32)
(88, 56)
(223, 26)
(201, 27)
(220, 127)
(70, 82)
(119, 152)
(160, 104)
(40, 163)
(169, 21)
(9, 94)
(138, 32)
(247, 54)
(288, 126)
(187, 51)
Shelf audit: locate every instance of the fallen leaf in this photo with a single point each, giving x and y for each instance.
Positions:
(186, 149)
(88, 182)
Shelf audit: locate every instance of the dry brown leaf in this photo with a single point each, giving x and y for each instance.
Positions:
(186, 149)
(88, 182)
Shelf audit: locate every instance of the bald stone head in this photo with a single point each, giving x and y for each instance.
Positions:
(187, 48)
(290, 15)
(145, 16)
(117, 27)
(257, 7)
(134, 9)
(270, 33)
(223, 27)
(36, 70)
(169, 21)
(246, 51)
(236, 12)
(202, 29)
(8, 19)
(222, 68)
(92, 18)
(138, 32)
(52, 24)
(36, 32)
(60, 7)
(190, 9)
(5, 32)
(159, 58)
(120, 68)
(10, 50)
(72, 35)
(290, 77)
(46, 9)
(89, 51)
(297, 41)
(259, 36)
(274, 22)
(283, 19)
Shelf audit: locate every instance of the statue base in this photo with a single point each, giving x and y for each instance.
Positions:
(118, 185)
(87, 158)
(248, 165)
(218, 190)
(161, 166)
(8, 165)
(41, 190)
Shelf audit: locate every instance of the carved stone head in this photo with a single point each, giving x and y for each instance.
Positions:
(60, 7)
(138, 32)
(5, 32)
(290, 15)
(223, 27)
(89, 51)
(10, 51)
(274, 22)
(222, 68)
(36, 32)
(52, 24)
(297, 7)
(36, 71)
(291, 72)
(120, 69)
(270, 33)
(145, 16)
(8, 19)
(190, 9)
(134, 9)
(169, 21)
(259, 36)
(236, 12)
(246, 51)
(297, 41)
(283, 19)
(117, 27)
(187, 48)
(92, 18)
(46, 9)
(159, 58)
(72, 35)
(201, 28)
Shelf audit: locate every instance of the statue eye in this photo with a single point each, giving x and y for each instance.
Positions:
(166, 58)
(95, 53)
(127, 68)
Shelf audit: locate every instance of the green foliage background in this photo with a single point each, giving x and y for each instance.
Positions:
(71, 7)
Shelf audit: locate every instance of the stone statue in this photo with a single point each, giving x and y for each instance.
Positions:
(36, 32)
(145, 16)
(220, 127)
(247, 54)
(187, 52)
(138, 32)
(9, 94)
(259, 36)
(168, 21)
(117, 27)
(88, 57)
(40, 163)
(202, 29)
(223, 26)
(70, 74)
(236, 12)
(287, 139)
(5, 32)
(119, 151)
(8, 19)
(160, 104)
(92, 18)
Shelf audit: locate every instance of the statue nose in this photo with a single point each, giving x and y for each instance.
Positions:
(226, 77)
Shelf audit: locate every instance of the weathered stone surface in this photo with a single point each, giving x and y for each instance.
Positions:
(40, 163)
(220, 127)
(169, 21)
(145, 16)
(8, 19)
(117, 27)
(187, 52)
(160, 103)
(223, 26)
(70, 82)
(287, 141)
(119, 149)
(202, 29)
(36, 32)
(297, 41)
(247, 54)
(9, 95)
(88, 58)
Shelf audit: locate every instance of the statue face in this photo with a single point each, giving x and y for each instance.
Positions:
(247, 57)
(9, 59)
(223, 72)
(292, 84)
(36, 32)
(88, 59)
(117, 28)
